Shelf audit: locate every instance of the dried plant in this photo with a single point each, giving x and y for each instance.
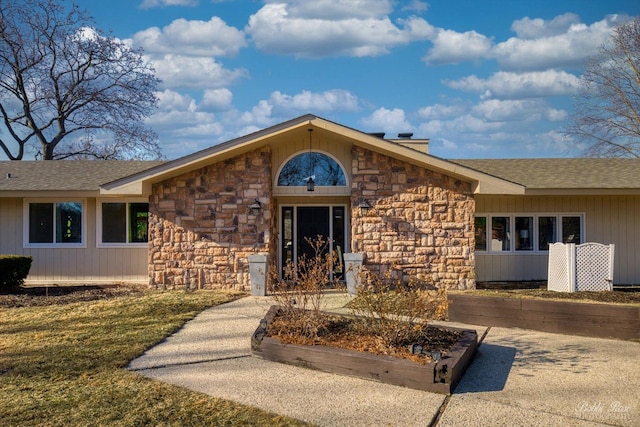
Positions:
(396, 312)
(299, 291)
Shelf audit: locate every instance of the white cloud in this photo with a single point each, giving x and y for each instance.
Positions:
(506, 85)
(192, 38)
(390, 121)
(417, 6)
(148, 4)
(275, 30)
(332, 9)
(216, 99)
(440, 111)
(306, 101)
(452, 47)
(560, 42)
(527, 28)
(169, 100)
(177, 71)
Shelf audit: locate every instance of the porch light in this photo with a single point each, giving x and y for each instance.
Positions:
(364, 206)
(311, 185)
(255, 207)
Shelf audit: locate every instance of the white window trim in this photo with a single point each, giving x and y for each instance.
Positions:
(99, 243)
(338, 190)
(25, 224)
(512, 224)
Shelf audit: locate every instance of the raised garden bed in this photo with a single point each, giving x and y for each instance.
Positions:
(563, 317)
(440, 376)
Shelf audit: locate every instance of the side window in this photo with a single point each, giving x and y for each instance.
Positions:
(547, 226)
(500, 234)
(524, 233)
(481, 233)
(55, 223)
(571, 229)
(124, 223)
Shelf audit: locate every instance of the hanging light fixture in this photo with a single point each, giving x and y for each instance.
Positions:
(311, 185)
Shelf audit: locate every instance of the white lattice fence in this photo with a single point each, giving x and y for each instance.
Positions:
(561, 276)
(594, 267)
(586, 267)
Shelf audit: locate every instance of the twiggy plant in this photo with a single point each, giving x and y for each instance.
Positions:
(394, 311)
(299, 291)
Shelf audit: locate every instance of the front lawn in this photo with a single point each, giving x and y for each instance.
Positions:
(63, 364)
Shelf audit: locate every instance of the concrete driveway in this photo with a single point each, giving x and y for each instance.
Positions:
(518, 378)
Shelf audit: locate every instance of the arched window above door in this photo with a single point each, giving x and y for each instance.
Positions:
(325, 170)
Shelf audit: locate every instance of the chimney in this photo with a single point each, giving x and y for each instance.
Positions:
(406, 140)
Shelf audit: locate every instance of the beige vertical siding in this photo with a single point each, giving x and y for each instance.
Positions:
(72, 265)
(608, 219)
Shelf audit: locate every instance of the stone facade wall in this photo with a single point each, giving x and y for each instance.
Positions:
(201, 227)
(420, 223)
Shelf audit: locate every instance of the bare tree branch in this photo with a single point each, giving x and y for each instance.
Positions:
(607, 108)
(67, 90)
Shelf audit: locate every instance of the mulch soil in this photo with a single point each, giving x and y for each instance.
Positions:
(58, 295)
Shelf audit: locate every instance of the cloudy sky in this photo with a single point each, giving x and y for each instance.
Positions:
(481, 79)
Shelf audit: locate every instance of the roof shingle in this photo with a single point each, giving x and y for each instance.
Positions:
(66, 175)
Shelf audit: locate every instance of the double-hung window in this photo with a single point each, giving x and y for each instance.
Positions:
(123, 223)
(526, 233)
(54, 223)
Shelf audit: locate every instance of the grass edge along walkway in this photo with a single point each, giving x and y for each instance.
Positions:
(65, 365)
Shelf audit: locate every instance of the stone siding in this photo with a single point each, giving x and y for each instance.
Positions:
(201, 227)
(420, 223)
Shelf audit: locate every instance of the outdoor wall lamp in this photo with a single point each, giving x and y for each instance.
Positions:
(364, 206)
(255, 207)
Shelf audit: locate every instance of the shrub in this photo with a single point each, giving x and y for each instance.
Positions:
(299, 291)
(13, 270)
(394, 311)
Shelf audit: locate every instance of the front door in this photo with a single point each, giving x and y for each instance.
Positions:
(301, 224)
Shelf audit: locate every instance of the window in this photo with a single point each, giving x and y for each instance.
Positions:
(500, 234)
(526, 233)
(54, 223)
(123, 223)
(324, 170)
(481, 233)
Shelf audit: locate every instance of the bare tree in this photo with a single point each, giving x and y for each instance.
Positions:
(607, 107)
(68, 90)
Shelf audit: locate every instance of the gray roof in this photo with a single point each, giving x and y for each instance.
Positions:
(569, 173)
(66, 175)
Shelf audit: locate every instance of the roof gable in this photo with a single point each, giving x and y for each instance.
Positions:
(141, 182)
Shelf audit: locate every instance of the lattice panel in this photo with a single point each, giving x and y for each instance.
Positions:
(586, 267)
(561, 268)
(594, 267)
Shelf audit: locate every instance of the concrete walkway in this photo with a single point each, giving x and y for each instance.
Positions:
(518, 378)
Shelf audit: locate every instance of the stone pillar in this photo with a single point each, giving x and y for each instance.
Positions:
(353, 268)
(258, 273)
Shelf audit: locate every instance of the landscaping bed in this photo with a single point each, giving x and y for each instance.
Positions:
(546, 312)
(434, 363)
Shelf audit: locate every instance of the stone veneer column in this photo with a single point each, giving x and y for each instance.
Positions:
(420, 224)
(201, 228)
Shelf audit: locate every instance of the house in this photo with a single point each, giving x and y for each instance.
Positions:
(194, 221)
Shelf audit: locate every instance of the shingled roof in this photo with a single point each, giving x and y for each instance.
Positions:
(570, 173)
(66, 175)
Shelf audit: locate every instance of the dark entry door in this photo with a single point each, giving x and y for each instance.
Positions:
(303, 223)
(313, 221)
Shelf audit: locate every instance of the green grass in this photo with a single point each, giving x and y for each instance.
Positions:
(64, 365)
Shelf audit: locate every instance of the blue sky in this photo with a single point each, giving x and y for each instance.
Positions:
(480, 79)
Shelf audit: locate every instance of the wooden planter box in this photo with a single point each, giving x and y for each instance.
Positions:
(440, 377)
(563, 317)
